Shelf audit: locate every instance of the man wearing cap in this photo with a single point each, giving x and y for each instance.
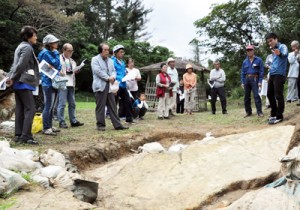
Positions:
(217, 77)
(172, 72)
(252, 74)
(277, 77)
(120, 67)
(104, 74)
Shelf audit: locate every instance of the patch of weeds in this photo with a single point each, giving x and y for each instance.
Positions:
(7, 204)
(27, 177)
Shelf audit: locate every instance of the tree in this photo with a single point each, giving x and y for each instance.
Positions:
(131, 18)
(229, 27)
(284, 16)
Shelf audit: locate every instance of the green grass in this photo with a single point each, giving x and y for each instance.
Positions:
(6, 204)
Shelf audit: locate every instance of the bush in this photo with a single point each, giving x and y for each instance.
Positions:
(236, 93)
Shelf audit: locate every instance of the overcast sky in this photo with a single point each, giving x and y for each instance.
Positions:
(171, 23)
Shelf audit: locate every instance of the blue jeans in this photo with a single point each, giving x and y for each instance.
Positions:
(63, 97)
(49, 98)
(251, 83)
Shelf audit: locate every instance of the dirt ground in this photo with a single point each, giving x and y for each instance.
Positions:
(86, 147)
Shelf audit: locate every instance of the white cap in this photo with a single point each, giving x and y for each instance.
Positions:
(118, 47)
(170, 60)
(50, 39)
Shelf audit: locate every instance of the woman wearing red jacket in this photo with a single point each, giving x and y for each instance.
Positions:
(163, 92)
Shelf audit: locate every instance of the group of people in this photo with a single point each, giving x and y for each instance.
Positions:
(109, 70)
(174, 94)
(252, 77)
(25, 77)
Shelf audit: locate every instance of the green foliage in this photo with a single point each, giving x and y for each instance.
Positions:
(229, 28)
(7, 204)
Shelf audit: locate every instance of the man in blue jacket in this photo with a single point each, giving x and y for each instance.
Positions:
(277, 77)
(252, 75)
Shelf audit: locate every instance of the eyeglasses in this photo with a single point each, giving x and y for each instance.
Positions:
(248, 50)
(70, 51)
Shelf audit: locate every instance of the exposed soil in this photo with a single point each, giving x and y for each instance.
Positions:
(85, 154)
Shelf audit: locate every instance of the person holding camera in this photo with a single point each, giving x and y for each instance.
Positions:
(68, 70)
(277, 77)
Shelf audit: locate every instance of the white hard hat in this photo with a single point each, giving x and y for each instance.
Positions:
(118, 47)
(50, 39)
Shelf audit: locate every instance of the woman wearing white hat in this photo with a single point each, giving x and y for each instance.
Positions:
(190, 82)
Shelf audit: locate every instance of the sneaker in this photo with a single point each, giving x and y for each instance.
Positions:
(49, 132)
(167, 118)
(271, 119)
(160, 118)
(225, 112)
(55, 130)
(63, 125)
(77, 124)
(275, 121)
(141, 118)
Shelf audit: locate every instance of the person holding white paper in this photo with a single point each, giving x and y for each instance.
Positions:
(68, 71)
(51, 56)
(218, 77)
(24, 75)
(132, 84)
(104, 74)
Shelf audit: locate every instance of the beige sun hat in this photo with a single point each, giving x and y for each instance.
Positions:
(188, 66)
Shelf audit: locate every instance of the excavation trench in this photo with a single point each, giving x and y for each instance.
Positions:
(200, 177)
(102, 153)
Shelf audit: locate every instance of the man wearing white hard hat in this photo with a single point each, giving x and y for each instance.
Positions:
(120, 67)
(172, 72)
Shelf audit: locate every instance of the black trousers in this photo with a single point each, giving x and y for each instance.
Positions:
(180, 107)
(25, 110)
(125, 103)
(222, 95)
(275, 95)
(137, 112)
(103, 99)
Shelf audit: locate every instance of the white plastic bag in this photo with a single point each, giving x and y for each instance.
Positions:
(153, 147)
(10, 181)
(53, 157)
(113, 88)
(51, 171)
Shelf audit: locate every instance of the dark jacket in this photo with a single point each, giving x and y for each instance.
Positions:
(24, 60)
